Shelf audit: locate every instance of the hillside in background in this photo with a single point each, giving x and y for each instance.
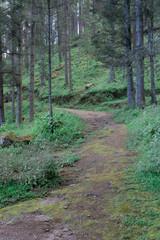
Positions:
(91, 86)
(79, 104)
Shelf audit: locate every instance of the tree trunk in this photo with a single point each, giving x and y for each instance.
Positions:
(2, 120)
(20, 64)
(112, 72)
(26, 47)
(49, 58)
(52, 33)
(130, 88)
(66, 45)
(151, 39)
(59, 31)
(69, 44)
(13, 62)
(42, 41)
(140, 96)
(13, 79)
(42, 60)
(31, 91)
(94, 10)
(75, 22)
(80, 28)
(134, 25)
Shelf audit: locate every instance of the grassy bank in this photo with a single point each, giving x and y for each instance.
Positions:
(142, 181)
(26, 171)
(144, 137)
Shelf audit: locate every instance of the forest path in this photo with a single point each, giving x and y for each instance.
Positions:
(87, 208)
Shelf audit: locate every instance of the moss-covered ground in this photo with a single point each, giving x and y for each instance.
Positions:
(100, 202)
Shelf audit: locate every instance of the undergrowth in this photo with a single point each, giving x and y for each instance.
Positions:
(27, 171)
(144, 137)
(142, 176)
(11, 193)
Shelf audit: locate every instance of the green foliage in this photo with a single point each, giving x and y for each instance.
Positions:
(27, 166)
(66, 129)
(144, 136)
(11, 193)
(49, 125)
(3, 128)
(34, 166)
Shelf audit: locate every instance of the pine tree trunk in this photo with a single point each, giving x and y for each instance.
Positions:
(140, 96)
(94, 10)
(112, 72)
(13, 62)
(75, 21)
(13, 79)
(80, 28)
(130, 88)
(2, 119)
(20, 64)
(69, 44)
(134, 25)
(42, 60)
(31, 91)
(49, 58)
(66, 45)
(41, 14)
(59, 31)
(151, 39)
(26, 47)
(52, 33)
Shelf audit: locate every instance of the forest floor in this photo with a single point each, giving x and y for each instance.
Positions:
(91, 204)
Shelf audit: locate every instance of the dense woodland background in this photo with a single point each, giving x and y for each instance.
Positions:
(122, 35)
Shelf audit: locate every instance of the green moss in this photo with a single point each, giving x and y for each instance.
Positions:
(55, 209)
(123, 208)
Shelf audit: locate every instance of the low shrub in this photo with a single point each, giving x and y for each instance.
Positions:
(63, 129)
(28, 166)
(11, 193)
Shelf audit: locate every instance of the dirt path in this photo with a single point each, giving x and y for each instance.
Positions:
(86, 208)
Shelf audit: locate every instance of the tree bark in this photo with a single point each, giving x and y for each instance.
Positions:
(2, 119)
(130, 88)
(69, 44)
(13, 79)
(66, 45)
(20, 64)
(134, 25)
(74, 21)
(32, 54)
(42, 40)
(42, 60)
(26, 46)
(13, 61)
(151, 39)
(59, 31)
(80, 28)
(140, 96)
(112, 72)
(49, 58)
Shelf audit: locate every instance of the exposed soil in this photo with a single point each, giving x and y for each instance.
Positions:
(87, 207)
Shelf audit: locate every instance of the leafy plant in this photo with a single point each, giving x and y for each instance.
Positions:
(48, 125)
(12, 192)
(3, 128)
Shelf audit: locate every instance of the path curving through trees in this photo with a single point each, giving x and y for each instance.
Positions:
(90, 207)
